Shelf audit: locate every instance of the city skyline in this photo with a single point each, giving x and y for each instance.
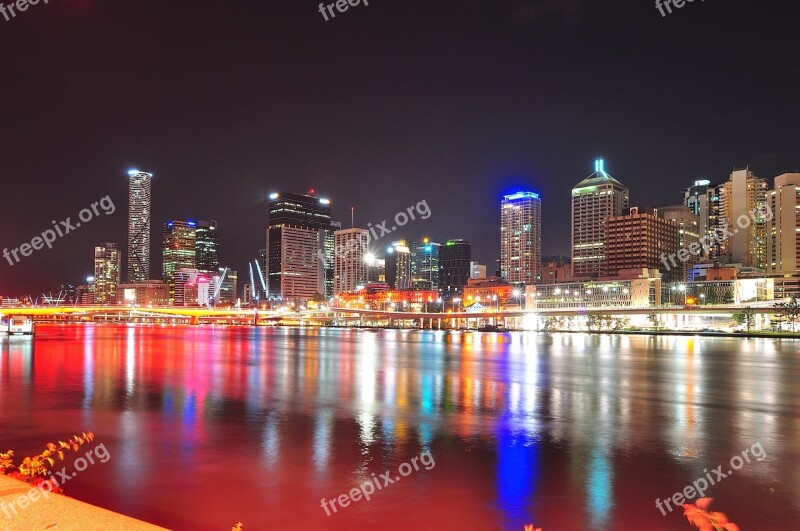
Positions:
(493, 122)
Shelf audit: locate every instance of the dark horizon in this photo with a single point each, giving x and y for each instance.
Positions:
(381, 108)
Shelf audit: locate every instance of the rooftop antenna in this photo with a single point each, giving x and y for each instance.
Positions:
(352, 216)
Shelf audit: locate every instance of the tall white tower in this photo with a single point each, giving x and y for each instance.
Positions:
(139, 206)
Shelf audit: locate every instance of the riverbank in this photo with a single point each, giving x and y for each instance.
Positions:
(23, 508)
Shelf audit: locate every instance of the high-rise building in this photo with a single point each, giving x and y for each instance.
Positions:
(207, 247)
(455, 257)
(425, 264)
(106, 273)
(300, 246)
(349, 262)
(689, 234)
(398, 266)
(639, 239)
(783, 225)
(703, 199)
(521, 238)
(742, 206)
(192, 288)
(179, 251)
(594, 200)
(139, 206)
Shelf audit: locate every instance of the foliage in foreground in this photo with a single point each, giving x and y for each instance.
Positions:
(698, 515)
(37, 470)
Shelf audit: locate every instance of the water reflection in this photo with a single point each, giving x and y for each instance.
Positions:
(572, 425)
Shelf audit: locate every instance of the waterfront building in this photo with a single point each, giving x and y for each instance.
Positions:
(382, 297)
(632, 289)
(737, 291)
(689, 233)
(742, 208)
(107, 263)
(179, 251)
(703, 199)
(455, 258)
(425, 264)
(349, 262)
(492, 293)
(139, 211)
(398, 266)
(521, 238)
(207, 247)
(477, 271)
(783, 225)
(594, 200)
(300, 246)
(147, 293)
(642, 239)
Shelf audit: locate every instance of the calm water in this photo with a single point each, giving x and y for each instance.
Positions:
(210, 426)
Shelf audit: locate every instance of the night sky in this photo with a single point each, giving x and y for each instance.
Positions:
(451, 102)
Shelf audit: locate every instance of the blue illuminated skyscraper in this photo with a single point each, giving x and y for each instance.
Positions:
(521, 238)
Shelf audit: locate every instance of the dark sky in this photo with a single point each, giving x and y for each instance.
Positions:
(451, 102)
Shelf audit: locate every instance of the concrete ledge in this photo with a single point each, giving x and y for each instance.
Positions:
(57, 512)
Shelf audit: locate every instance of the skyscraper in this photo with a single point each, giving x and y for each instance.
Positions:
(425, 264)
(521, 238)
(300, 246)
(179, 251)
(783, 225)
(398, 266)
(106, 273)
(455, 258)
(349, 263)
(742, 205)
(207, 247)
(703, 199)
(594, 200)
(139, 206)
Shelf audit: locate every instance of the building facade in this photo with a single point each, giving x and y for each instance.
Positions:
(783, 225)
(106, 273)
(398, 266)
(521, 238)
(149, 293)
(640, 239)
(703, 199)
(294, 221)
(455, 257)
(349, 262)
(594, 200)
(139, 211)
(742, 207)
(689, 233)
(178, 250)
(425, 264)
(207, 247)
